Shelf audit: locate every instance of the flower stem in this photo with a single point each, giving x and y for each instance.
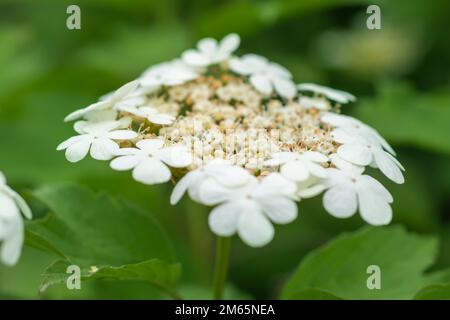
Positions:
(221, 267)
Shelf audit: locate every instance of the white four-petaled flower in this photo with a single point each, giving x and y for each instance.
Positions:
(361, 151)
(150, 159)
(209, 51)
(11, 223)
(98, 138)
(264, 75)
(349, 189)
(250, 209)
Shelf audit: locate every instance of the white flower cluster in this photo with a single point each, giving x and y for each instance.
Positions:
(11, 223)
(238, 134)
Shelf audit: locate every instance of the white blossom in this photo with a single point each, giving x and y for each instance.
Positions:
(356, 127)
(299, 167)
(361, 151)
(11, 223)
(349, 190)
(209, 51)
(167, 74)
(98, 138)
(107, 103)
(223, 172)
(150, 159)
(250, 210)
(330, 93)
(264, 75)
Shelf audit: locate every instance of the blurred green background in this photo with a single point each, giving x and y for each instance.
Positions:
(399, 73)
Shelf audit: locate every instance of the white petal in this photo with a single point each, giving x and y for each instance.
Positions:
(103, 149)
(176, 156)
(231, 176)
(194, 58)
(150, 146)
(315, 156)
(11, 247)
(343, 136)
(295, 170)
(345, 165)
(366, 182)
(211, 192)
(274, 184)
(253, 227)
(316, 170)
(230, 43)
(151, 171)
(125, 90)
(23, 206)
(122, 135)
(72, 140)
(311, 191)
(162, 119)
(355, 153)
(207, 46)
(330, 93)
(388, 167)
(182, 185)
(340, 201)
(78, 150)
(124, 163)
(223, 219)
(279, 209)
(240, 67)
(261, 83)
(373, 208)
(8, 209)
(284, 87)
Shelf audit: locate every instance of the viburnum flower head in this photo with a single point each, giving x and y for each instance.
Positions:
(238, 134)
(11, 223)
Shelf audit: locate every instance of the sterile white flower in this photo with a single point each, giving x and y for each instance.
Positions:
(11, 223)
(167, 74)
(360, 151)
(151, 114)
(209, 51)
(223, 172)
(107, 103)
(149, 160)
(349, 190)
(98, 138)
(264, 75)
(332, 94)
(357, 128)
(250, 209)
(300, 166)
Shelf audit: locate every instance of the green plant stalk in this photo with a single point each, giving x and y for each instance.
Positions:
(221, 267)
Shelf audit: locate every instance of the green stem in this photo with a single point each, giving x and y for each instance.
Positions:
(221, 267)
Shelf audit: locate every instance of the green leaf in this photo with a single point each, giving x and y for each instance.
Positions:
(340, 267)
(313, 294)
(106, 238)
(434, 292)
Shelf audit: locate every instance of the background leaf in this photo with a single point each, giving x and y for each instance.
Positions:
(340, 267)
(105, 237)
